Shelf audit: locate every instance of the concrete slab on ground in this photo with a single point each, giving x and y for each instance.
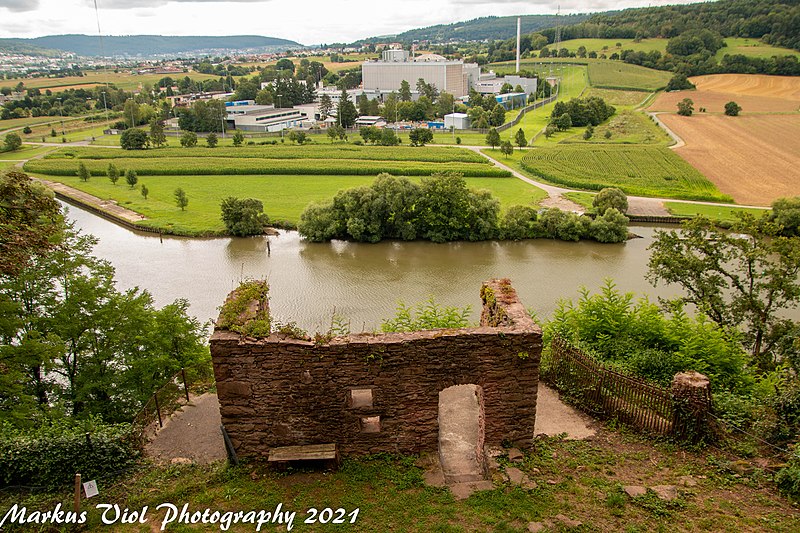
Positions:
(192, 433)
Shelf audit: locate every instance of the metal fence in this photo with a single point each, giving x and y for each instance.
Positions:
(607, 393)
(170, 396)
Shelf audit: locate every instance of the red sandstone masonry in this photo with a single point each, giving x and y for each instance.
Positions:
(280, 391)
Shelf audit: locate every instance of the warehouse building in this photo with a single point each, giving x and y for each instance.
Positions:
(385, 75)
(263, 118)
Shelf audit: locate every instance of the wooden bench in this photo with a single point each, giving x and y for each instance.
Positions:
(310, 452)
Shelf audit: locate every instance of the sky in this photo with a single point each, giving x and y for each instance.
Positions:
(307, 22)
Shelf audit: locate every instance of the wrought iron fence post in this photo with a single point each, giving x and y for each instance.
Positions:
(158, 410)
(185, 385)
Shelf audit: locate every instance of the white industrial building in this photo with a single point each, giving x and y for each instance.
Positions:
(490, 83)
(458, 121)
(263, 118)
(386, 75)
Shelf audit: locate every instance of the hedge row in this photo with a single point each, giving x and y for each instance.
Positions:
(51, 456)
(223, 166)
(312, 151)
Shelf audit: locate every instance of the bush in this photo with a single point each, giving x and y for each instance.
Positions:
(427, 315)
(520, 222)
(788, 478)
(420, 136)
(50, 456)
(189, 139)
(679, 82)
(243, 216)
(786, 212)
(133, 139)
(732, 109)
(12, 142)
(686, 107)
(612, 226)
(211, 140)
(608, 198)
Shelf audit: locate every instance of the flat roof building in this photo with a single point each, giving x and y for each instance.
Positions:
(386, 75)
(263, 118)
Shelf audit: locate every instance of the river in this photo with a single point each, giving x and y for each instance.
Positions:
(362, 282)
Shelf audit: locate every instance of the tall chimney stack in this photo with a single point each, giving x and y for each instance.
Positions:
(519, 25)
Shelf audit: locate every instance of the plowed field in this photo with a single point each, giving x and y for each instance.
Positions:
(754, 159)
(756, 93)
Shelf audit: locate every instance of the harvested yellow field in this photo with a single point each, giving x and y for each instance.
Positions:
(756, 93)
(785, 87)
(754, 159)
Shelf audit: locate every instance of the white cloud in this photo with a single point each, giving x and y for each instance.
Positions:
(131, 4)
(20, 6)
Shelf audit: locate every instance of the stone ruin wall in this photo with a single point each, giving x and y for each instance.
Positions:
(371, 393)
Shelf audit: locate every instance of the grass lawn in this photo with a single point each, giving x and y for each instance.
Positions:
(609, 46)
(123, 80)
(619, 75)
(580, 479)
(581, 198)
(284, 197)
(752, 48)
(12, 123)
(723, 214)
(626, 127)
(619, 98)
(26, 152)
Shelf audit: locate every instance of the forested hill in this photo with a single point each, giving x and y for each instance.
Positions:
(151, 45)
(776, 22)
(483, 28)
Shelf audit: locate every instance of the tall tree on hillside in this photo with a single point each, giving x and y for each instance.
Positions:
(325, 106)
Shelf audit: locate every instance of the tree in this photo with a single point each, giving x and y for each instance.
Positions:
(744, 278)
(550, 130)
(608, 198)
(563, 122)
(388, 138)
(506, 88)
(498, 115)
(243, 216)
(112, 173)
(189, 139)
(157, 137)
(506, 148)
(133, 139)
(786, 213)
(346, 114)
(12, 142)
(325, 106)
(588, 133)
(27, 130)
(732, 109)
(130, 113)
(686, 107)
(30, 219)
(238, 138)
(493, 138)
(405, 91)
(420, 136)
(83, 172)
(211, 140)
(520, 139)
(679, 82)
(145, 191)
(181, 200)
(131, 178)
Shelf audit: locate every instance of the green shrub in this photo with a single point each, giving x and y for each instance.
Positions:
(610, 227)
(520, 222)
(610, 197)
(51, 455)
(243, 216)
(427, 315)
(788, 478)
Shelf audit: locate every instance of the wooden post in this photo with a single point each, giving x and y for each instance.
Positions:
(185, 385)
(158, 410)
(76, 503)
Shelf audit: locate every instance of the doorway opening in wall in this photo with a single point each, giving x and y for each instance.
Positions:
(461, 433)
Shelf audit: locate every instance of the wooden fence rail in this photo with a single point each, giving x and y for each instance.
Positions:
(606, 393)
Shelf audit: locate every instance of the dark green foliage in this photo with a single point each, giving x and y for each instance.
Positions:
(238, 138)
(639, 338)
(786, 212)
(686, 107)
(133, 139)
(732, 109)
(427, 315)
(703, 43)
(788, 478)
(189, 139)
(743, 279)
(131, 178)
(493, 138)
(346, 113)
(112, 173)
(27, 130)
(157, 136)
(588, 133)
(679, 82)
(497, 116)
(506, 148)
(204, 115)
(145, 191)
(584, 111)
(420, 136)
(211, 140)
(564, 225)
(243, 216)
(519, 139)
(83, 172)
(611, 226)
(50, 455)
(181, 200)
(520, 222)
(12, 142)
(608, 198)
(563, 122)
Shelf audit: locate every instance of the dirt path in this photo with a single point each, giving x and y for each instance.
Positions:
(554, 417)
(191, 433)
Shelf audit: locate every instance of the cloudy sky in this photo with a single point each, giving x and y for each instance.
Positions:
(307, 22)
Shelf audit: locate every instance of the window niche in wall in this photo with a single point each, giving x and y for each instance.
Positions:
(371, 424)
(359, 398)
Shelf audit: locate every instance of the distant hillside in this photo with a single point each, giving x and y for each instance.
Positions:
(22, 46)
(151, 45)
(776, 22)
(483, 28)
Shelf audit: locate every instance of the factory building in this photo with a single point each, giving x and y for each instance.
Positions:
(386, 75)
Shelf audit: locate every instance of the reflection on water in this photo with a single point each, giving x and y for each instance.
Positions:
(361, 281)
